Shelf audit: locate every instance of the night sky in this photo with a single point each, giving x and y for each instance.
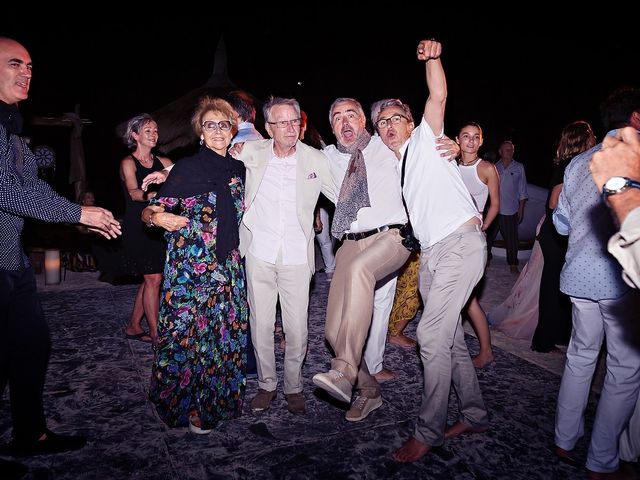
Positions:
(519, 83)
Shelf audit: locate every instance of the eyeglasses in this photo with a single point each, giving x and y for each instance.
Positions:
(223, 125)
(285, 123)
(392, 120)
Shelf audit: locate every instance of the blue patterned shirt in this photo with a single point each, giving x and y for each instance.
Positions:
(24, 196)
(589, 271)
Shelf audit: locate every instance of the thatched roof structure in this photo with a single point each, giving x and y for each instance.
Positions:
(174, 119)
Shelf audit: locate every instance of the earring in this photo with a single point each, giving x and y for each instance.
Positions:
(201, 140)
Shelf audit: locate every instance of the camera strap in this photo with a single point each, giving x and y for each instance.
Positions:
(404, 165)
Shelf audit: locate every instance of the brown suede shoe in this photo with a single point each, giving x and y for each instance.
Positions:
(262, 400)
(295, 403)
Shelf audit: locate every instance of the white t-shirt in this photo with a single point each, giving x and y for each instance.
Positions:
(437, 198)
(383, 181)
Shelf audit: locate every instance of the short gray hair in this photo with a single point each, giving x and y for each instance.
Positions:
(134, 126)
(380, 105)
(273, 101)
(345, 99)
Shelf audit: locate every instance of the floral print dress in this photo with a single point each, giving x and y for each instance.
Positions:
(199, 364)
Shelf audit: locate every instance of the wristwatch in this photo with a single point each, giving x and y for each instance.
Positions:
(617, 185)
(150, 222)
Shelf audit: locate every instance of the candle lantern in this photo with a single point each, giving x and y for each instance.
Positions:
(51, 267)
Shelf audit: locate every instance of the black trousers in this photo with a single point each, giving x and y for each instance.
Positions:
(508, 227)
(24, 351)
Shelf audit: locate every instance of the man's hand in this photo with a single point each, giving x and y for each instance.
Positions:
(156, 177)
(448, 148)
(236, 150)
(100, 221)
(429, 49)
(619, 157)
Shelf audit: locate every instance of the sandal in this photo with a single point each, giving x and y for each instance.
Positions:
(143, 337)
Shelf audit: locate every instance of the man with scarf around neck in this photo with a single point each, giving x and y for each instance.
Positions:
(284, 179)
(369, 213)
(452, 259)
(25, 344)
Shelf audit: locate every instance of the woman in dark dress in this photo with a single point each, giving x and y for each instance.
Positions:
(554, 307)
(198, 375)
(144, 248)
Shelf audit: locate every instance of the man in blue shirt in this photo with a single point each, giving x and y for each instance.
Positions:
(25, 343)
(604, 307)
(513, 195)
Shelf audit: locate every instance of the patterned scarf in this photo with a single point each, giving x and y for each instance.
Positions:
(354, 192)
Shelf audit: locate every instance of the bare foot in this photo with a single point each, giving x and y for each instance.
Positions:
(384, 375)
(461, 427)
(483, 359)
(402, 341)
(411, 451)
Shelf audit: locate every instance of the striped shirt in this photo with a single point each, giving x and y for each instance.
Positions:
(24, 195)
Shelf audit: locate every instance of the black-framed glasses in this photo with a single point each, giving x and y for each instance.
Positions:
(392, 120)
(295, 122)
(224, 125)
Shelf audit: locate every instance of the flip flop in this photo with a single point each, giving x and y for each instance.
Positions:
(138, 336)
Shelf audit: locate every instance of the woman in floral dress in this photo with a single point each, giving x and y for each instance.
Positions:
(198, 375)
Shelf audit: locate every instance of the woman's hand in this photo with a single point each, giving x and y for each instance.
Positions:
(156, 177)
(169, 221)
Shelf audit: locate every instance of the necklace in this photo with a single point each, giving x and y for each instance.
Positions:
(145, 162)
(468, 164)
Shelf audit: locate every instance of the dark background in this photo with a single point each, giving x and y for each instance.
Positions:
(521, 77)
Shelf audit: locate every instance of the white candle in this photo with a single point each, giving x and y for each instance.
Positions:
(51, 267)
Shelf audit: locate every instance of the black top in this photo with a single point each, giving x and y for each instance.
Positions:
(206, 172)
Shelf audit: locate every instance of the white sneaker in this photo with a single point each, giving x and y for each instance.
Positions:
(362, 407)
(195, 429)
(335, 384)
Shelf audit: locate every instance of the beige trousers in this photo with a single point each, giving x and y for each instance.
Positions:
(449, 270)
(359, 265)
(265, 283)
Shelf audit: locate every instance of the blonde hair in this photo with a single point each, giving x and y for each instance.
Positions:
(217, 105)
(574, 139)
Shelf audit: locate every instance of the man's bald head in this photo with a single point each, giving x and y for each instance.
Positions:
(15, 71)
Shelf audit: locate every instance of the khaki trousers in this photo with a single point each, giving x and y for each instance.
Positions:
(449, 270)
(359, 265)
(265, 283)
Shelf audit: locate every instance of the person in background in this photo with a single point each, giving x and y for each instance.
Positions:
(198, 374)
(554, 307)
(321, 225)
(80, 258)
(144, 249)
(25, 343)
(483, 182)
(244, 107)
(513, 195)
(604, 309)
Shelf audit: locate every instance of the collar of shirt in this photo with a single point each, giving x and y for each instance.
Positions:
(289, 161)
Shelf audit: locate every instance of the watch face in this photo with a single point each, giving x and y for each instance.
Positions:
(615, 183)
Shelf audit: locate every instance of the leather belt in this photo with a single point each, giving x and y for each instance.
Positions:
(362, 235)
